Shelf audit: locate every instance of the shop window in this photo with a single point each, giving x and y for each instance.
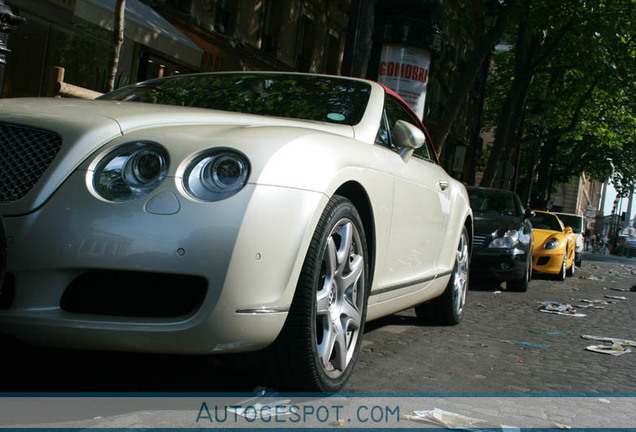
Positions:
(272, 14)
(225, 16)
(332, 65)
(154, 66)
(307, 40)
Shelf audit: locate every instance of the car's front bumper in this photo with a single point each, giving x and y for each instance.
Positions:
(244, 254)
(548, 261)
(498, 264)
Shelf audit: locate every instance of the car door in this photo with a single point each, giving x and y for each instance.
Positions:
(420, 210)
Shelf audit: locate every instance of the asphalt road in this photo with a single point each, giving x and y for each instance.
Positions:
(504, 344)
(506, 363)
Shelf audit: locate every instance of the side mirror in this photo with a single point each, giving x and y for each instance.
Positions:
(407, 138)
(568, 230)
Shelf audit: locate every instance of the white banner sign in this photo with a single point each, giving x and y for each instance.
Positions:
(405, 70)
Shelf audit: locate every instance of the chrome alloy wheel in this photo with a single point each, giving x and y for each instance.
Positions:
(340, 298)
(460, 276)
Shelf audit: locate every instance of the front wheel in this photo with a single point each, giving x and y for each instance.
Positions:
(320, 341)
(448, 309)
(562, 273)
(521, 285)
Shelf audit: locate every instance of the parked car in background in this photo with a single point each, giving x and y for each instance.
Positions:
(554, 246)
(229, 213)
(502, 245)
(577, 223)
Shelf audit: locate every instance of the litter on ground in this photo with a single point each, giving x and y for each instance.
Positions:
(627, 342)
(447, 419)
(526, 344)
(559, 308)
(615, 349)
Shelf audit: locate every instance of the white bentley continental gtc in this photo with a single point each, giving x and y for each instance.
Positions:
(268, 213)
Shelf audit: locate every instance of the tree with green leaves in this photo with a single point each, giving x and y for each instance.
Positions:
(560, 99)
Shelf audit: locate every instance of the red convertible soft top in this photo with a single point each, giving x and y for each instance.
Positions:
(428, 135)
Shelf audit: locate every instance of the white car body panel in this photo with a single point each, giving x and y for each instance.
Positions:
(249, 247)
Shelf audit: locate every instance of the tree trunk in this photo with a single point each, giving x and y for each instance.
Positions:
(118, 40)
(508, 128)
(545, 171)
(464, 79)
(359, 38)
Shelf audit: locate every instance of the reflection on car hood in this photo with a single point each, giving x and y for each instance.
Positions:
(541, 235)
(85, 126)
(487, 223)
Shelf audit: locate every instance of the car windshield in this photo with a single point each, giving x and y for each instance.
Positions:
(493, 201)
(325, 99)
(546, 221)
(576, 222)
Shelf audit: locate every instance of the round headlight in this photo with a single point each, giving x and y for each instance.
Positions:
(131, 171)
(551, 243)
(144, 167)
(508, 240)
(216, 175)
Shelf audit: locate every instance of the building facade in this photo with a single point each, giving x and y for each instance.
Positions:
(167, 37)
(304, 36)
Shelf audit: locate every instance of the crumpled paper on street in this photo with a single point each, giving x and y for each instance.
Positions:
(452, 420)
(559, 308)
(627, 342)
(616, 347)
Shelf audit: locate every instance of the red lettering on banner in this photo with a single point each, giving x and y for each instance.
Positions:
(406, 71)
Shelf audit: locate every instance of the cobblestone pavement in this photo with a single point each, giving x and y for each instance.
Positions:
(487, 351)
(505, 348)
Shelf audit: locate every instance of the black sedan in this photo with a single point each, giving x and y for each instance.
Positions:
(502, 244)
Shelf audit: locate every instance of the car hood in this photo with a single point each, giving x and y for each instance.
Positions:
(85, 126)
(541, 235)
(485, 223)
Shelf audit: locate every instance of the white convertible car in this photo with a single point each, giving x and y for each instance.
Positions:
(227, 213)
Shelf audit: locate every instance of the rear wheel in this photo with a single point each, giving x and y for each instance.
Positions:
(579, 260)
(320, 341)
(571, 270)
(448, 309)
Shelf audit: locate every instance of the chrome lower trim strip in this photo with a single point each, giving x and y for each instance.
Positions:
(263, 310)
(408, 284)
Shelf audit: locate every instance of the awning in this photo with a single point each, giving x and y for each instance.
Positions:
(143, 25)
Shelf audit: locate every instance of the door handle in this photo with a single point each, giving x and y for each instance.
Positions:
(443, 185)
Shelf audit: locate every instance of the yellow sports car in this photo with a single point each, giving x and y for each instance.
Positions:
(554, 246)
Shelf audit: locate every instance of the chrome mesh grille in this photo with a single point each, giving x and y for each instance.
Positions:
(25, 153)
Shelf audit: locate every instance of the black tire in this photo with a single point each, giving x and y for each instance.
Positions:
(319, 344)
(562, 273)
(448, 309)
(521, 285)
(570, 272)
(579, 261)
